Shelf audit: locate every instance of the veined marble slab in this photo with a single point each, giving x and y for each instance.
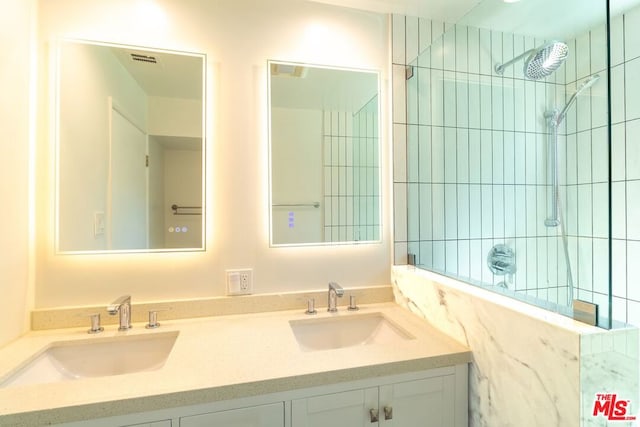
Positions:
(609, 365)
(526, 368)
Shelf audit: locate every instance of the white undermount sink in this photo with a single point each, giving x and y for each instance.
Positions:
(346, 331)
(98, 357)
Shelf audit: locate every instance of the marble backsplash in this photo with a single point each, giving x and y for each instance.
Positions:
(530, 367)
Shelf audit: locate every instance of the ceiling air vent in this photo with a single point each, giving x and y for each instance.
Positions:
(289, 70)
(143, 58)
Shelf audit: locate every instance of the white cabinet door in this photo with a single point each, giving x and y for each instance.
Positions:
(345, 409)
(426, 403)
(257, 416)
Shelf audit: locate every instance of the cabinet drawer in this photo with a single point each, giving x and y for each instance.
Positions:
(256, 416)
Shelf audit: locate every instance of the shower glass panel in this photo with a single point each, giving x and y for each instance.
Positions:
(507, 150)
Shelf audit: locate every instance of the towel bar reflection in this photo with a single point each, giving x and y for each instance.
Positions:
(176, 210)
(287, 205)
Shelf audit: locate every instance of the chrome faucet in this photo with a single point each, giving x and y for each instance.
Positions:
(123, 306)
(335, 291)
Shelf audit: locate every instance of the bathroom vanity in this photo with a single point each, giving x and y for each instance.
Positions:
(380, 365)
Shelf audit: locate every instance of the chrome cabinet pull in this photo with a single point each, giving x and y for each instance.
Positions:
(388, 413)
(373, 413)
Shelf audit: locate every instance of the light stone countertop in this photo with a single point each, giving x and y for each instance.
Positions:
(218, 358)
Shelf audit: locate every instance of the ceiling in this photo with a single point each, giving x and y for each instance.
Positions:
(323, 88)
(546, 19)
(174, 75)
(441, 10)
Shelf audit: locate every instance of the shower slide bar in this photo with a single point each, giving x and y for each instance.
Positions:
(555, 217)
(552, 166)
(554, 119)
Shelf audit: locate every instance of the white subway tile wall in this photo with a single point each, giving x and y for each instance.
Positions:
(625, 87)
(352, 174)
(473, 171)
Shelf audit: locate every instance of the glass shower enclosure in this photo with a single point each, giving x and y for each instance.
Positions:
(506, 157)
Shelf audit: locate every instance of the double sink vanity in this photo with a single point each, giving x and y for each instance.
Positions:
(257, 360)
(378, 365)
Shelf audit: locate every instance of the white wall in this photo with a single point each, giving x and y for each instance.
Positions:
(175, 116)
(183, 187)
(238, 36)
(297, 174)
(89, 77)
(15, 44)
(157, 204)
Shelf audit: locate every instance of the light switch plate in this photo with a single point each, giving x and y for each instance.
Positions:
(98, 224)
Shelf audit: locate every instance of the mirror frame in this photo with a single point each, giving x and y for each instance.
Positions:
(56, 61)
(378, 158)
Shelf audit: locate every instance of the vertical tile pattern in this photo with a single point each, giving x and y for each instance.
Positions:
(474, 155)
(351, 174)
(492, 169)
(625, 147)
(585, 173)
(482, 179)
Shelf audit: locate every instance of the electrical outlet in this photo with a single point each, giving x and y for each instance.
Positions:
(245, 281)
(239, 282)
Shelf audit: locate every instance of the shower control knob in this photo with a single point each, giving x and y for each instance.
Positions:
(501, 260)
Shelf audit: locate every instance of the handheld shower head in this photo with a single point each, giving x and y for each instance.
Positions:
(588, 83)
(540, 62)
(584, 86)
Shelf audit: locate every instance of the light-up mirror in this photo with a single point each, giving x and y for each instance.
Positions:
(130, 143)
(324, 148)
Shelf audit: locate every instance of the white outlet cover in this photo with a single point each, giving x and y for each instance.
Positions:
(239, 282)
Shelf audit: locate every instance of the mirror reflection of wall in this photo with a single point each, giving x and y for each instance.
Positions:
(130, 143)
(325, 169)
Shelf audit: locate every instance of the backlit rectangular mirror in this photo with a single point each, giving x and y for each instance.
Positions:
(130, 144)
(324, 152)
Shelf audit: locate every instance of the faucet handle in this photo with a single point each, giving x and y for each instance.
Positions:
(153, 318)
(311, 306)
(114, 307)
(95, 324)
(352, 303)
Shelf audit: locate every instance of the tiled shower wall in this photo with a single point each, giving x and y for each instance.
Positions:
(470, 156)
(584, 168)
(351, 175)
(625, 91)
(470, 159)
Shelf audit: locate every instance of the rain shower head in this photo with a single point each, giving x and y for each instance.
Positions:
(540, 62)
